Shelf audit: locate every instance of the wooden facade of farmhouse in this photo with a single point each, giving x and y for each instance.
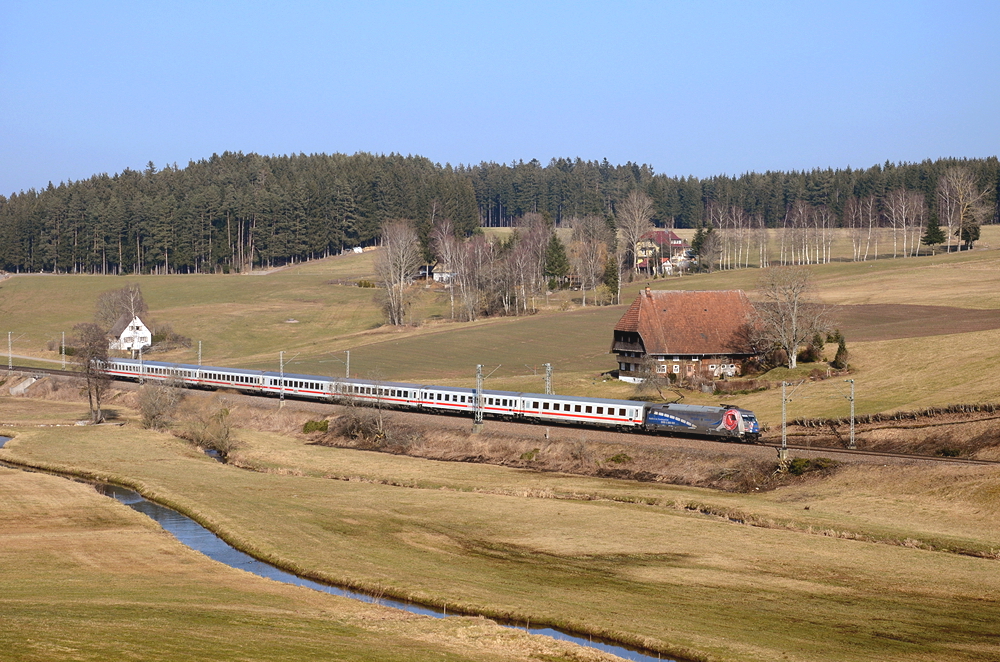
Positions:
(685, 334)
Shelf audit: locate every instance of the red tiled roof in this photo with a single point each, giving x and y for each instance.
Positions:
(664, 238)
(682, 322)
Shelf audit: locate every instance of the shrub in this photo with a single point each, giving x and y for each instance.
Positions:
(316, 426)
(620, 458)
(210, 428)
(156, 403)
(366, 283)
(948, 452)
(529, 456)
(802, 465)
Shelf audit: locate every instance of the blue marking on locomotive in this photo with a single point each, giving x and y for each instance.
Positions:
(660, 418)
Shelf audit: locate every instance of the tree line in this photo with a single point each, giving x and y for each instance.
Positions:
(234, 212)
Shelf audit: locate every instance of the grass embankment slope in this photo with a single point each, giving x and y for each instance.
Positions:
(946, 351)
(623, 559)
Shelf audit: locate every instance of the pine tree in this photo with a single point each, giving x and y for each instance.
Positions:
(934, 235)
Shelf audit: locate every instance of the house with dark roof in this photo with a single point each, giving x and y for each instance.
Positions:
(129, 334)
(656, 247)
(686, 334)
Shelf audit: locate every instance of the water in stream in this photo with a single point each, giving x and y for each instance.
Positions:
(199, 538)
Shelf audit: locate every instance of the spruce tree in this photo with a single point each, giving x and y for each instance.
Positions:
(934, 235)
(556, 262)
(840, 360)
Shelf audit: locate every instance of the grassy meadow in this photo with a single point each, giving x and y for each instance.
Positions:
(941, 353)
(658, 565)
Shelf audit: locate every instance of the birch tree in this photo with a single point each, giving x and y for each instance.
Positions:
(396, 262)
(634, 218)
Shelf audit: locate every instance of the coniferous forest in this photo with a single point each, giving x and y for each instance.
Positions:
(234, 212)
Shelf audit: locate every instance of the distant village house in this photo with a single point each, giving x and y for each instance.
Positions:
(685, 334)
(660, 251)
(129, 334)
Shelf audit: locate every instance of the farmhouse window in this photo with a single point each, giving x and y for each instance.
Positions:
(661, 369)
(677, 368)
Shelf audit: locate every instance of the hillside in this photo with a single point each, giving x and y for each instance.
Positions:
(922, 331)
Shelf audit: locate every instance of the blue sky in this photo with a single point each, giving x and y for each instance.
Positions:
(692, 88)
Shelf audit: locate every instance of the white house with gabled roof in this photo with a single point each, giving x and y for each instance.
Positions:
(129, 334)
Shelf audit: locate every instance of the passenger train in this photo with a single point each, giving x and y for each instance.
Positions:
(726, 422)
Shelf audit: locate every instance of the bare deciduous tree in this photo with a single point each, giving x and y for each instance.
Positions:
(114, 303)
(91, 356)
(784, 316)
(589, 250)
(961, 205)
(445, 245)
(395, 264)
(634, 218)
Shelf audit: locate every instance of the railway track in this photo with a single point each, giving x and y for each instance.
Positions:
(897, 456)
(629, 435)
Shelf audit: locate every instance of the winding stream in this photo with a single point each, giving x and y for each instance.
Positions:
(199, 538)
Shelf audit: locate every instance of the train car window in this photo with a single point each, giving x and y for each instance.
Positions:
(588, 409)
(545, 405)
(534, 405)
(578, 408)
(600, 410)
(621, 412)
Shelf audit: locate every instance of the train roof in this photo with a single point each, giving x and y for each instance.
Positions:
(676, 406)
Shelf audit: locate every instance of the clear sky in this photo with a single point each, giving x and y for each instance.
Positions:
(691, 88)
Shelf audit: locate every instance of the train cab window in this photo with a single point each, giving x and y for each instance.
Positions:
(588, 409)
(578, 408)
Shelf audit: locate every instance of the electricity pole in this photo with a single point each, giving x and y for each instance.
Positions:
(477, 421)
(851, 445)
(548, 378)
(281, 371)
(10, 354)
(348, 362)
(140, 367)
(199, 352)
(62, 350)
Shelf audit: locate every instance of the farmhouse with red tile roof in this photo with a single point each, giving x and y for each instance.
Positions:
(685, 333)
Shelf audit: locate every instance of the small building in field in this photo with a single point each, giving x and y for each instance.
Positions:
(129, 334)
(664, 243)
(686, 334)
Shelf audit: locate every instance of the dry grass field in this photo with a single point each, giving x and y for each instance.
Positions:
(88, 579)
(797, 573)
